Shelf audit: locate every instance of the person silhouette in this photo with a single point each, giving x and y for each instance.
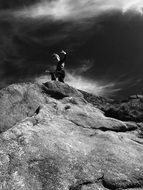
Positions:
(59, 73)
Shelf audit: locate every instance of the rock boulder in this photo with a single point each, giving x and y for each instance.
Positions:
(50, 143)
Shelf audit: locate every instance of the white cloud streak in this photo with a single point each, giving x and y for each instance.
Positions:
(91, 86)
(82, 83)
(78, 9)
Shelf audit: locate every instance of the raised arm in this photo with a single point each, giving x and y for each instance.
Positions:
(57, 56)
(64, 57)
(63, 52)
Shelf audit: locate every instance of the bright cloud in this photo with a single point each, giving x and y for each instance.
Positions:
(78, 9)
(85, 84)
(91, 86)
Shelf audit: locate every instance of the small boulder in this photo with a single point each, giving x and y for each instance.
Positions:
(60, 90)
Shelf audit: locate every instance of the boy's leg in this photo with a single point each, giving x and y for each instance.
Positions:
(53, 76)
(61, 76)
(61, 79)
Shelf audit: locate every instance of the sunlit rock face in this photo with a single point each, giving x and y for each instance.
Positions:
(53, 139)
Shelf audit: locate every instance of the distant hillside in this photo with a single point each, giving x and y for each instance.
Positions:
(130, 109)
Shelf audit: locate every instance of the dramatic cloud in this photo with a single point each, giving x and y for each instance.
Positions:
(79, 9)
(92, 86)
(77, 79)
(104, 50)
(80, 82)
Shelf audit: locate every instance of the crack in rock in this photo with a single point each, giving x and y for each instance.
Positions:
(78, 186)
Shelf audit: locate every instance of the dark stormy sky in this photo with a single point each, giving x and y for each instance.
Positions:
(103, 39)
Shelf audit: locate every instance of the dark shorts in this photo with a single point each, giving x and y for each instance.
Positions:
(60, 75)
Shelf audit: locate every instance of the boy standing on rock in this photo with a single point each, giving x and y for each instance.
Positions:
(59, 73)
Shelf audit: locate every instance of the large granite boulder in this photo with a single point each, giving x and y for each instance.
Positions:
(65, 143)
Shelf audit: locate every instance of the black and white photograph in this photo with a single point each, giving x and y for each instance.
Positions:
(71, 94)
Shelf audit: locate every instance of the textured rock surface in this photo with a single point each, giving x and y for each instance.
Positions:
(65, 143)
(130, 109)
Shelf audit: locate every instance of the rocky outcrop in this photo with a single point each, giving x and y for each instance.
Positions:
(130, 109)
(60, 90)
(65, 143)
(126, 110)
